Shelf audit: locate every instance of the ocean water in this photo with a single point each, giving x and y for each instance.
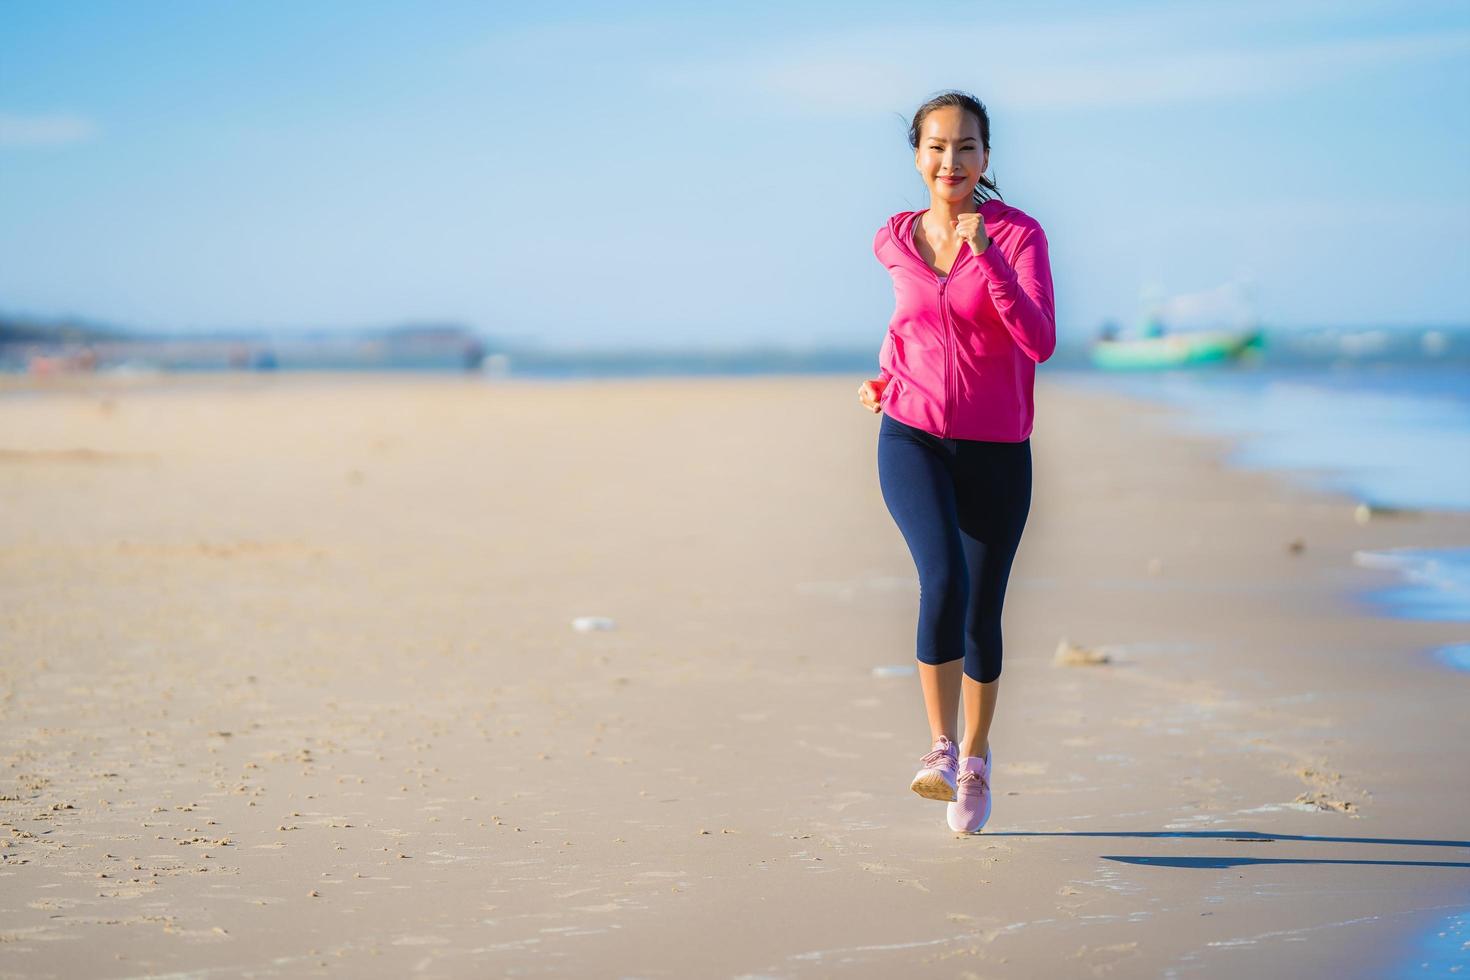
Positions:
(1456, 656)
(1442, 950)
(1386, 435)
(1389, 435)
(1434, 583)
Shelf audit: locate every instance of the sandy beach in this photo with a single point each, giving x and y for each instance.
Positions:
(289, 686)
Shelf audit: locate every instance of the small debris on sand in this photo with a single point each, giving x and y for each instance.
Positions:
(1363, 513)
(1323, 801)
(1072, 655)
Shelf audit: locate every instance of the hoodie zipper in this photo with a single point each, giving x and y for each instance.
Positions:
(948, 354)
(948, 334)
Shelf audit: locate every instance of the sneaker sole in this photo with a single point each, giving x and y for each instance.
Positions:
(931, 786)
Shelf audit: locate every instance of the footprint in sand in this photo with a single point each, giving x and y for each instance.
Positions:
(849, 798)
(885, 871)
(1104, 958)
(828, 751)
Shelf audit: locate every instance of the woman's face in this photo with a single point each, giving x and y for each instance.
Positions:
(949, 157)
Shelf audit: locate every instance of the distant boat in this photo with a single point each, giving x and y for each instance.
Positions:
(1208, 326)
(1184, 349)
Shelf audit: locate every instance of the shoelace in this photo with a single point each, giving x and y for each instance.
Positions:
(971, 776)
(933, 758)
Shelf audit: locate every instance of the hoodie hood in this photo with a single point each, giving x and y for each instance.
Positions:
(993, 212)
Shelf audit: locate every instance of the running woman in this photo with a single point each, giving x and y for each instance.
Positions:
(973, 316)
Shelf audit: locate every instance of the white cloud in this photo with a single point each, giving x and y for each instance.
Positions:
(1195, 76)
(45, 130)
(1020, 56)
(1174, 55)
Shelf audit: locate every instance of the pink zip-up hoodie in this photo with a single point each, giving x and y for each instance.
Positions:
(961, 351)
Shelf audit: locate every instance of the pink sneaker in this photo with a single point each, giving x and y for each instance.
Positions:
(968, 814)
(936, 781)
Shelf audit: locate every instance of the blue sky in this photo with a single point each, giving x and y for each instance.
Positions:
(677, 175)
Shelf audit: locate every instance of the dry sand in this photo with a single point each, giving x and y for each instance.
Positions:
(289, 685)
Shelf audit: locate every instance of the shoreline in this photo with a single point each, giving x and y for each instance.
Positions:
(321, 644)
(1391, 560)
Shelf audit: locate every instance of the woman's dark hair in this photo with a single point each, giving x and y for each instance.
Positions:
(972, 105)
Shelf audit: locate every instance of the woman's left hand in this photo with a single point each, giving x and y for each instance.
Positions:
(972, 229)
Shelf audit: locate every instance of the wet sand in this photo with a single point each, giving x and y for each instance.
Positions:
(289, 685)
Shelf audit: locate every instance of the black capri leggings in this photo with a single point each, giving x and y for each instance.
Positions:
(961, 506)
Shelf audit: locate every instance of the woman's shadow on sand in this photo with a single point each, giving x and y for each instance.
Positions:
(1248, 837)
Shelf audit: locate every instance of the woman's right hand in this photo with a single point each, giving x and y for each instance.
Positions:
(871, 392)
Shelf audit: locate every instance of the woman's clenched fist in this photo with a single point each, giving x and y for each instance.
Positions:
(870, 394)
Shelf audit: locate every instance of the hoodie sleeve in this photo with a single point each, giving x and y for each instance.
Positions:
(879, 238)
(1023, 294)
